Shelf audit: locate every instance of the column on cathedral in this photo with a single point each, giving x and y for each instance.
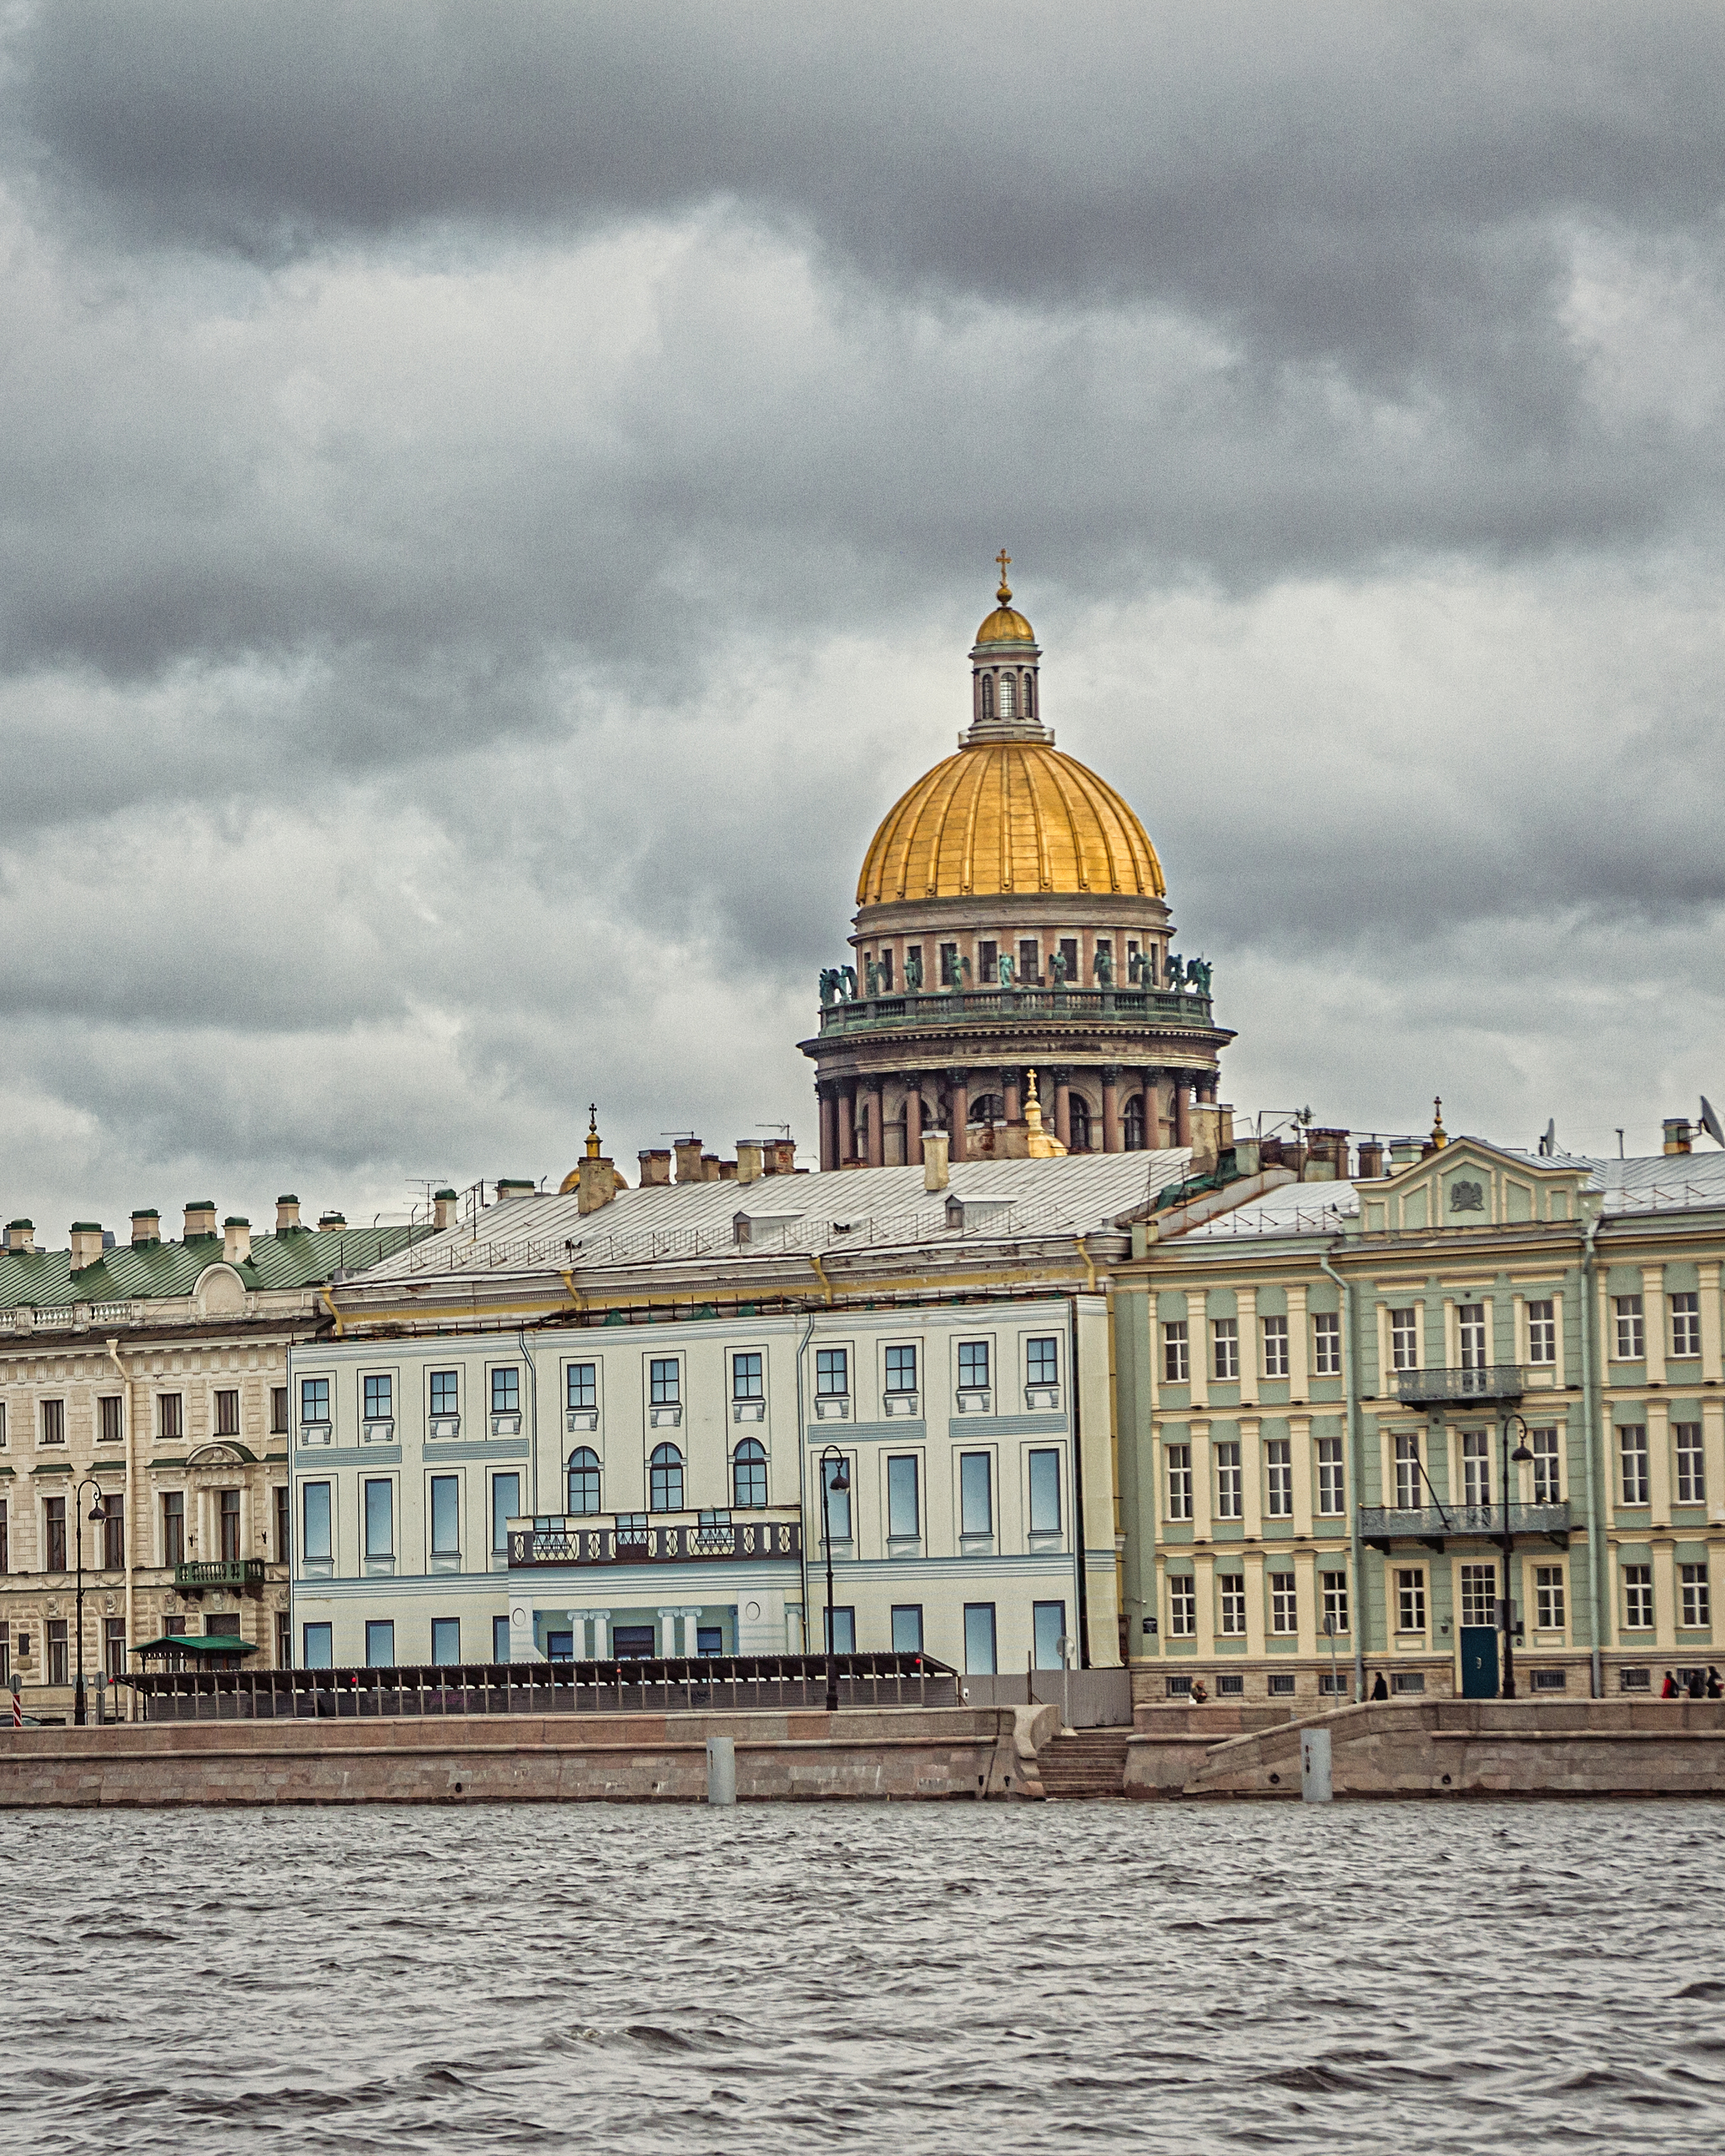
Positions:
(1152, 1111)
(959, 1084)
(1009, 1095)
(829, 1124)
(877, 1124)
(847, 1131)
(1183, 1109)
(1063, 1106)
(1110, 1109)
(913, 1118)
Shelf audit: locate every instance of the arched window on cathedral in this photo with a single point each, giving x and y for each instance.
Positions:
(1078, 1111)
(988, 695)
(987, 1107)
(1134, 1124)
(1029, 696)
(1006, 682)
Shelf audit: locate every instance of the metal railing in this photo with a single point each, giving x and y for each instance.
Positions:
(658, 1538)
(1457, 1388)
(1382, 1525)
(221, 1571)
(958, 1005)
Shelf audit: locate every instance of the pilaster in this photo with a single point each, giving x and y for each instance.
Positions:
(1299, 1345)
(1658, 1417)
(1653, 1313)
(1251, 1476)
(1255, 1612)
(1305, 1472)
(1708, 1279)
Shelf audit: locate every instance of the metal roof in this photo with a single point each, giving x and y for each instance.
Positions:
(43, 1279)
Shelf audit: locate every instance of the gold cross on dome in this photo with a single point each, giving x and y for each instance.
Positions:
(1005, 561)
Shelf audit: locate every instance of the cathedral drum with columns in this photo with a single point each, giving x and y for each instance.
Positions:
(1012, 917)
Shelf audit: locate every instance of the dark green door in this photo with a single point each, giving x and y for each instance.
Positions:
(1479, 1662)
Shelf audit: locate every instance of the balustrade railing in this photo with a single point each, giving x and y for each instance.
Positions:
(1382, 1525)
(955, 1006)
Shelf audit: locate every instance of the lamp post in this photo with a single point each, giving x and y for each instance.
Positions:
(97, 1511)
(838, 1480)
(1520, 1456)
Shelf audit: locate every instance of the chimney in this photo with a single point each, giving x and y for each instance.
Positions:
(146, 1226)
(709, 1167)
(936, 1174)
(750, 1167)
(86, 1244)
(1679, 1134)
(237, 1239)
(287, 1215)
(595, 1184)
(443, 1206)
(1371, 1160)
(689, 1168)
(331, 1224)
(655, 1166)
(1206, 1133)
(784, 1153)
(509, 1187)
(728, 1171)
(199, 1217)
(20, 1235)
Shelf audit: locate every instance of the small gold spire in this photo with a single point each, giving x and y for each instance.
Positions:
(1005, 561)
(1041, 1145)
(1439, 1136)
(592, 1130)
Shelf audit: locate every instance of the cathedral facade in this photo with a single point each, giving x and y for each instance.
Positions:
(1012, 917)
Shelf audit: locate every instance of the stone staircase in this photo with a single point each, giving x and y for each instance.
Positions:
(1085, 1763)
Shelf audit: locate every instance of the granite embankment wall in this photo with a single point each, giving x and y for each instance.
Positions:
(1444, 1748)
(913, 1753)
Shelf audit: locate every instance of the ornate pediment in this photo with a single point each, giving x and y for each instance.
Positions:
(1470, 1184)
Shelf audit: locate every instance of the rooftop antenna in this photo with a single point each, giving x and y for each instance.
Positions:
(782, 1129)
(1619, 1144)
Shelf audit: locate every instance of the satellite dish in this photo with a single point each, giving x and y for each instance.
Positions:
(1709, 1122)
(1548, 1144)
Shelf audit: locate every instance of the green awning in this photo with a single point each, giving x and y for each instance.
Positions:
(201, 1643)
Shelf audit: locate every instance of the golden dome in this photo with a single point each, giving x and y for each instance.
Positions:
(1004, 816)
(1005, 625)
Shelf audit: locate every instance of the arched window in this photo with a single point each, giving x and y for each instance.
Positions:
(1078, 1110)
(988, 695)
(1134, 1124)
(1029, 696)
(748, 1475)
(584, 1480)
(665, 1480)
(987, 1107)
(1006, 682)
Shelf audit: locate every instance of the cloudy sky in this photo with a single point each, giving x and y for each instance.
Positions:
(494, 498)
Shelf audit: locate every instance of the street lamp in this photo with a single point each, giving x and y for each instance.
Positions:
(97, 1511)
(1520, 1456)
(838, 1480)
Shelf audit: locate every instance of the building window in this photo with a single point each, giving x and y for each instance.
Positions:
(170, 1416)
(1548, 1597)
(1042, 1362)
(748, 1476)
(1630, 1328)
(1410, 1601)
(1275, 1347)
(1008, 701)
(836, 1503)
(907, 1628)
(507, 1391)
(583, 1493)
(1327, 1344)
(227, 1414)
(975, 1493)
(1632, 1452)
(1692, 1585)
(445, 1392)
(1132, 1130)
(1404, 1340)
(109, 1407)
(748, 1377)
(1225, 1336)
(445, 1516)
(1179, 1458)
(379, 1643)
(1547, 1467)
(832, 1373)
(278, 1423)
(2, 1426)
(840, 1627)
(59, 1673)
(1476, 1466)
(1078, 1115)
(1230, 1593)
(1691, 1469)
(1048, 1630)
(979, 1638)
(506, 1506)
(228, 1518)
(1479, 1594)
(1182, 1606)
(316, 1540)
(114, 1533)
(901, 1370)
(665, 1490)
(1285, 1616)
(1230, 1492)
(53, 1422)
(904, 1511)
(973, 1366)
(318, 1647)
(1278, 1471)
(1637, 1597)
(1331, 1484)
(1408, 1494)
(987, 695)
(1176, 1368)
(54, 1521)
(5, 1543)
(1045, 1491)
(380, 1398)
(1029, 961)
(445, 1639)
(380, 1518)
(1685, 1324)
(284, 1631)
(314, 1401)
(1542, 1333)
(987, 965)
(114, 1648)
(1471, 1324)
(949, 973)
(1334, 1588)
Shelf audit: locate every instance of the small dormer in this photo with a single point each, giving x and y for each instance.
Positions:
(978, 1215)
(1467, 1183)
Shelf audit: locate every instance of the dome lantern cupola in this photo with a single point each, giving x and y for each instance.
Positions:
(1005, 691)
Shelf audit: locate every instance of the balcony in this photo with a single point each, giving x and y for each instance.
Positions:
(1382, 1525)
(224, 1572)
(957, 1006)
(1459, 1388)
(685, 1538)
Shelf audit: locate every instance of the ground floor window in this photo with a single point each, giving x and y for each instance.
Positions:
(841, 1631)
(499, 1640)
(379, 1643)
(59, 1668)
(1281, 1683)
(1048, 1633)
(979, 1638)
(1548, 1598)
(445, 1639)
(1182, 1606)
(319, 1646)
(709, 1639)
(114, 1647)
(1410, 1601)
(1334, 1686)
(907, 1628)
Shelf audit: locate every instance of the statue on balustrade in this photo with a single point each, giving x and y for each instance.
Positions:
(1177, 972)
(1057, 970)
(1005, 969)
(913, 972)
(849, 984)
(874, 980)
(1198, 973)
(1104, 969)
(829, 987)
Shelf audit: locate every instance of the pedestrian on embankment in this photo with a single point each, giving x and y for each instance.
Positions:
(1715, 1690)
(1697, 1686)
(1380, 1690)
(1669, 1690)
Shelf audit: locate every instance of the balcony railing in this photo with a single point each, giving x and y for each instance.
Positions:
(223, 1571)
(688, 1537)
(955, 1006)
(1458, 1388)
(1382, 1525)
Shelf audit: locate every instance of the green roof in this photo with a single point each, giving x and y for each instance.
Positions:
(44, 1279)
(198, 1643)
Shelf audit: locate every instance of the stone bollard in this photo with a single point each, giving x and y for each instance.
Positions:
(721, 1770)
(1315, 1766)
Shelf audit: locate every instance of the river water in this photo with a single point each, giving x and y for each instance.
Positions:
(973, 1978)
